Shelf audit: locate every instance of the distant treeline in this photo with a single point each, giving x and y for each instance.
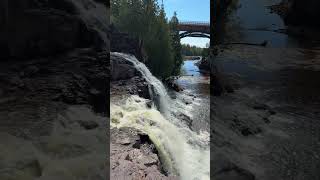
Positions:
(146, 20)
(188, 50)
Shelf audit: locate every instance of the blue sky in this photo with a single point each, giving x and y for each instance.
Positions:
(189, 10)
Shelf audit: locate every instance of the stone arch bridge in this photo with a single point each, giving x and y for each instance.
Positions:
(194, 29)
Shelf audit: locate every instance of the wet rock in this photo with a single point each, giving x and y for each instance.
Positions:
(136, 85)
(204, 65)
(186, 119)
(132, 156)
(143, 90)
(173, 85)
(121, 69)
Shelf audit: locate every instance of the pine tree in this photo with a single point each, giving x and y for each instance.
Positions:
(176, 45)
(147, 21)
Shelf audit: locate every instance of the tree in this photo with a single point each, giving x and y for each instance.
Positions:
(188, 50)
(176, 45)
(144, 19)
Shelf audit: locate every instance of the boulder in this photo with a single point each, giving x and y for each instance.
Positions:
(133, 156)
(121, 69)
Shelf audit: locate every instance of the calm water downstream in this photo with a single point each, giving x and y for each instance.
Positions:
(196, 93)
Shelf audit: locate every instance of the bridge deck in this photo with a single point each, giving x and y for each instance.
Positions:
(195, 23)
(194, 29)
(194, 26)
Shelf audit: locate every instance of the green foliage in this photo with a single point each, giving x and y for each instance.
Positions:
(188, 50)
(176, 45)
(144, 19)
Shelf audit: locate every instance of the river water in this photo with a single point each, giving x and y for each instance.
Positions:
(183, 151)
(197, 86)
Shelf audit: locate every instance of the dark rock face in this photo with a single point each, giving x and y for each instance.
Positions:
(121, 69)
(173, 85)
(134, 86)
(122, 42)
(126, 78)
(35, 28)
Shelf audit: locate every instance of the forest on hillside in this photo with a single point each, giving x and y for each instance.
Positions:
(147, 21)
(188, 50)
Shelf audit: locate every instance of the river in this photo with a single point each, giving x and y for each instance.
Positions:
(197, 86)
(184, 148)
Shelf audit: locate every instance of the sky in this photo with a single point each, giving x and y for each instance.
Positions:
(189, 10)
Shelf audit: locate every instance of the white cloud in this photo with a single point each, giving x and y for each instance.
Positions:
(200, 42)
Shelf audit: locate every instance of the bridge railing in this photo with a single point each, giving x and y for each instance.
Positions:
(195, 23)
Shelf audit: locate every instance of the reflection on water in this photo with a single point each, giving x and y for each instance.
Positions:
(190, 69)
(193, 80)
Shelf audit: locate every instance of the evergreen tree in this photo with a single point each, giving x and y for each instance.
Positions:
(176, 45)
(144, 19)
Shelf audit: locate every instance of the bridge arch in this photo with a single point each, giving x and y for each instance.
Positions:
(194, 34)
(194, 29)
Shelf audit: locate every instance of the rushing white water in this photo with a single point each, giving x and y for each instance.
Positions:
(156, 88)
(182, 151)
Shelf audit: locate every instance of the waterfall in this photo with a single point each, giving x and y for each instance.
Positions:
(182, 151)
(156, 88)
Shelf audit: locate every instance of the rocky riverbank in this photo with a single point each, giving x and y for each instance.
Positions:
(204, 65)
(133, 155)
